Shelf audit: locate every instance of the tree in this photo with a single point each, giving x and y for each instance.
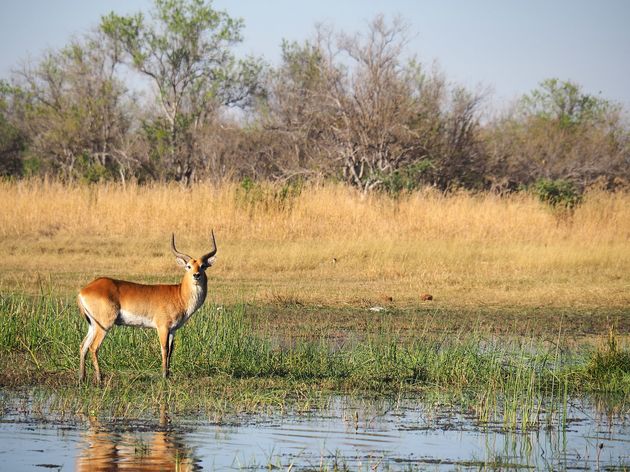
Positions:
(374, 105)
(185, 51)
(559, 132)
(12, 140)
(296, 115)
(71, 107)
(564, 103)
(353, 106)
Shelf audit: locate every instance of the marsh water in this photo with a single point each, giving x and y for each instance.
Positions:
(390, 434)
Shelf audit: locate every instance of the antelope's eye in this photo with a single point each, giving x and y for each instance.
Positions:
(188, 266)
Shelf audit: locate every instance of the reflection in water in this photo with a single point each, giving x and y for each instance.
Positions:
(106, 449)
(358, 434)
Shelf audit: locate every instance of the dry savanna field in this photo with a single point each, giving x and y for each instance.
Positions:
(323, 245)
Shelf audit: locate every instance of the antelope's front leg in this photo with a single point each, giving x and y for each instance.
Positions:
(170, 347)
(163, 333)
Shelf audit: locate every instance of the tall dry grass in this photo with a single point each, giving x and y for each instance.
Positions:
(325, 244)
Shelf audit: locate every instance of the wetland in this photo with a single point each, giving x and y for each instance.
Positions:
(315, 349)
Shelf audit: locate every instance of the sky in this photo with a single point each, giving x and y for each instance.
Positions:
(506, 47)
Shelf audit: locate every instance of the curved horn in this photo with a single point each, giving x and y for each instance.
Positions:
(181, 255)
(205, 257)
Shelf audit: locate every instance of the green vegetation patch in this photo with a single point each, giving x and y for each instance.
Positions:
(222, 363)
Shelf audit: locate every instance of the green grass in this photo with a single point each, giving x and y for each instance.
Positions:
(225, 362)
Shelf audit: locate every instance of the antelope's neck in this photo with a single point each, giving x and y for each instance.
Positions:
(193, 296)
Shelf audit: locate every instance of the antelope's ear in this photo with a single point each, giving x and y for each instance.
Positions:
(180, 261)
(208, 262)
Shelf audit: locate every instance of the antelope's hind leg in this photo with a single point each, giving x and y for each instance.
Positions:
(96, 332)
(99, 335)
(85, 345)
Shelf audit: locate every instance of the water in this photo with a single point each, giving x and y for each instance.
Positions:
(362, 435)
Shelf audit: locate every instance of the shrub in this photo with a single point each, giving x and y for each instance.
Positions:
(408, 178)
(559, 194)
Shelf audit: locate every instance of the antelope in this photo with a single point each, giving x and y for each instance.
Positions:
(106, 302)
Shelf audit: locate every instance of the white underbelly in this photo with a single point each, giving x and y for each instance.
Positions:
(130, 319)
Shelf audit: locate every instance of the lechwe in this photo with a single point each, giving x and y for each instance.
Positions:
(107, 302)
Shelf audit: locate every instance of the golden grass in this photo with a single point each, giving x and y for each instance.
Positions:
(466, 250)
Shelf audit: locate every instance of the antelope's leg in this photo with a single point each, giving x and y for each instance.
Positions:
(163, 335)
(99, 335)
(170, 348)
(85, 345)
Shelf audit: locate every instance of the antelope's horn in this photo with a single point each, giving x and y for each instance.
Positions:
(205, 257)
(186, 257)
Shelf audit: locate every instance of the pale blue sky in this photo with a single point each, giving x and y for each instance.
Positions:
(506, 45)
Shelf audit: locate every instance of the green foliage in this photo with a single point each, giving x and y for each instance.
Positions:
(12, 146)
(302, 65)
(407, 178)
(157, 134)
(559, 194)
(91, 171)
(186, 40)
(12, 140)
(564, 103)
(31, 165)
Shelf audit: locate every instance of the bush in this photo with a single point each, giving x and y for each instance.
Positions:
(559, 194)
(408, 178)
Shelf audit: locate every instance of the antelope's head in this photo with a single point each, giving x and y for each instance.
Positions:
(195, 268)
